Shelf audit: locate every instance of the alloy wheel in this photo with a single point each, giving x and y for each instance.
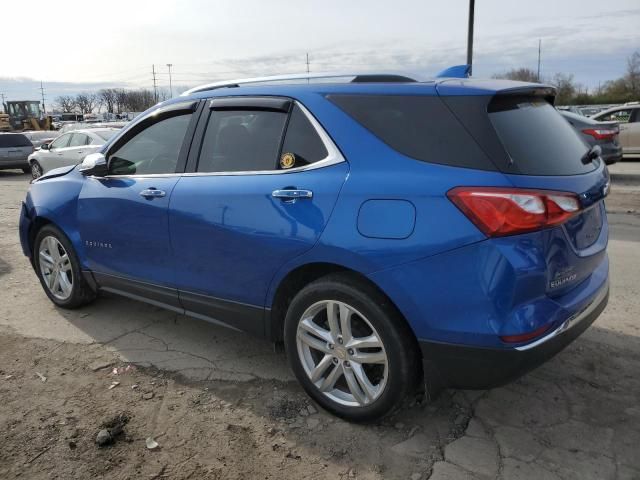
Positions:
(55, 268)
(36, 170)
(342, 353)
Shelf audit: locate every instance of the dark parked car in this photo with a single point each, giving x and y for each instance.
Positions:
(604, 134)
(15, 148)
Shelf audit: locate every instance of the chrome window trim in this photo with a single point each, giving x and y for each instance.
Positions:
(334, 156)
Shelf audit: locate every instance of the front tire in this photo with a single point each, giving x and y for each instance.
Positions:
(58, 269)
(350, 349)
(35, 169)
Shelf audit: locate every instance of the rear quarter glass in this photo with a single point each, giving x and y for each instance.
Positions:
(418, 126)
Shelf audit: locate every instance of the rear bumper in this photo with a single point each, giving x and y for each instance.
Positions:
(6, 163)
(611, 153)
(462, 366)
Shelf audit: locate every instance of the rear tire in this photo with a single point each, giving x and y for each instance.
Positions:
(350, 348)
(58, 269)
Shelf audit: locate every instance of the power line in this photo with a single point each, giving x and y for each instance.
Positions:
(170, 85)
(472, 6)
(539, 54)
(44, 108)
(155, 87)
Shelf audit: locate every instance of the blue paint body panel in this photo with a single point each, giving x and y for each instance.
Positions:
(379, 213)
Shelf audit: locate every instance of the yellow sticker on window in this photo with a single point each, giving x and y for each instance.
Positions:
(287, 160)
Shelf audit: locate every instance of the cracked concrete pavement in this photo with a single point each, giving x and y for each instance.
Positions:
(577, 417)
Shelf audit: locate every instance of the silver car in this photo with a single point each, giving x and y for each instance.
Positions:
(68, 149)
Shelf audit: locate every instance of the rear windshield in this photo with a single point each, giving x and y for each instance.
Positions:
(537, 138)
(105, 134)
(14, 140)
(418, 126)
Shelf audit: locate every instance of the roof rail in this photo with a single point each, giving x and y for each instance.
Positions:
(355, 78)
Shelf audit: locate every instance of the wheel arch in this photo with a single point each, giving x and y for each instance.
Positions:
(299, 277)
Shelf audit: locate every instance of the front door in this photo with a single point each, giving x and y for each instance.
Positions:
(123, 217)
(54, 157)
(254, 201)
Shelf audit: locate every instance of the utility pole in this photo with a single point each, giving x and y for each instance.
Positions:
(155, 87)
(539, 54)
(2, 105)
(472, 7)
(307, 62)
(44, 108)
(170, 85)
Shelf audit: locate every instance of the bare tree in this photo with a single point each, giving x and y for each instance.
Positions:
(121, 99)
(632, 77)
(108, 96)
(67, 103)
(522, 74)
(86, 102)
(565, 88)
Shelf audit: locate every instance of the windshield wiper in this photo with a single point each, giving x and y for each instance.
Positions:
(593, 153)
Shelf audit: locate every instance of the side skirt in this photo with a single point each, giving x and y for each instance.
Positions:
(226, 313)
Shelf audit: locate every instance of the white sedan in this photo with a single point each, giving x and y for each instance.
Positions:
(69, 149)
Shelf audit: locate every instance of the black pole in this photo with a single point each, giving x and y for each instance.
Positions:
(472, 4)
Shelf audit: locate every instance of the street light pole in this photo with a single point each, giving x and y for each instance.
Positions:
(170, 85)
(472, 4)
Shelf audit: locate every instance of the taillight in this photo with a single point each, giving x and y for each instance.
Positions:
(601, 133)
(509, 211)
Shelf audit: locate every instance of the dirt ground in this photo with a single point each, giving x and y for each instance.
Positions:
(221, 405)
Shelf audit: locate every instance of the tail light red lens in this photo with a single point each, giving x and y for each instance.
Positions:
(601, 133)
(525, 337)
(509, 211)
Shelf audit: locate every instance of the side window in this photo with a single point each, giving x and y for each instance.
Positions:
(152, 150)
(636, 116)
(78, 140)
(621, 116)
(302, 140)
(241, 140)
(61, 142)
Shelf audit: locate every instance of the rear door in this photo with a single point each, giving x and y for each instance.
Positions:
(262, 183)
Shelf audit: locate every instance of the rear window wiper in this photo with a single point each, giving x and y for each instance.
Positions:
(593, 153)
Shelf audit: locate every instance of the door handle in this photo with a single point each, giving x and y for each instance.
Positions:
(152, 193)
(291, 194)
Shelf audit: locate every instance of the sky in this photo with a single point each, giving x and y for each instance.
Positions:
(83, 45)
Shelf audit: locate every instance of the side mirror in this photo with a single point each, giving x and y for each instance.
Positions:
(44, 146)
(94, 164)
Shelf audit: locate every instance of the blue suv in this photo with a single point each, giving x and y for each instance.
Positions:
(398, 237)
